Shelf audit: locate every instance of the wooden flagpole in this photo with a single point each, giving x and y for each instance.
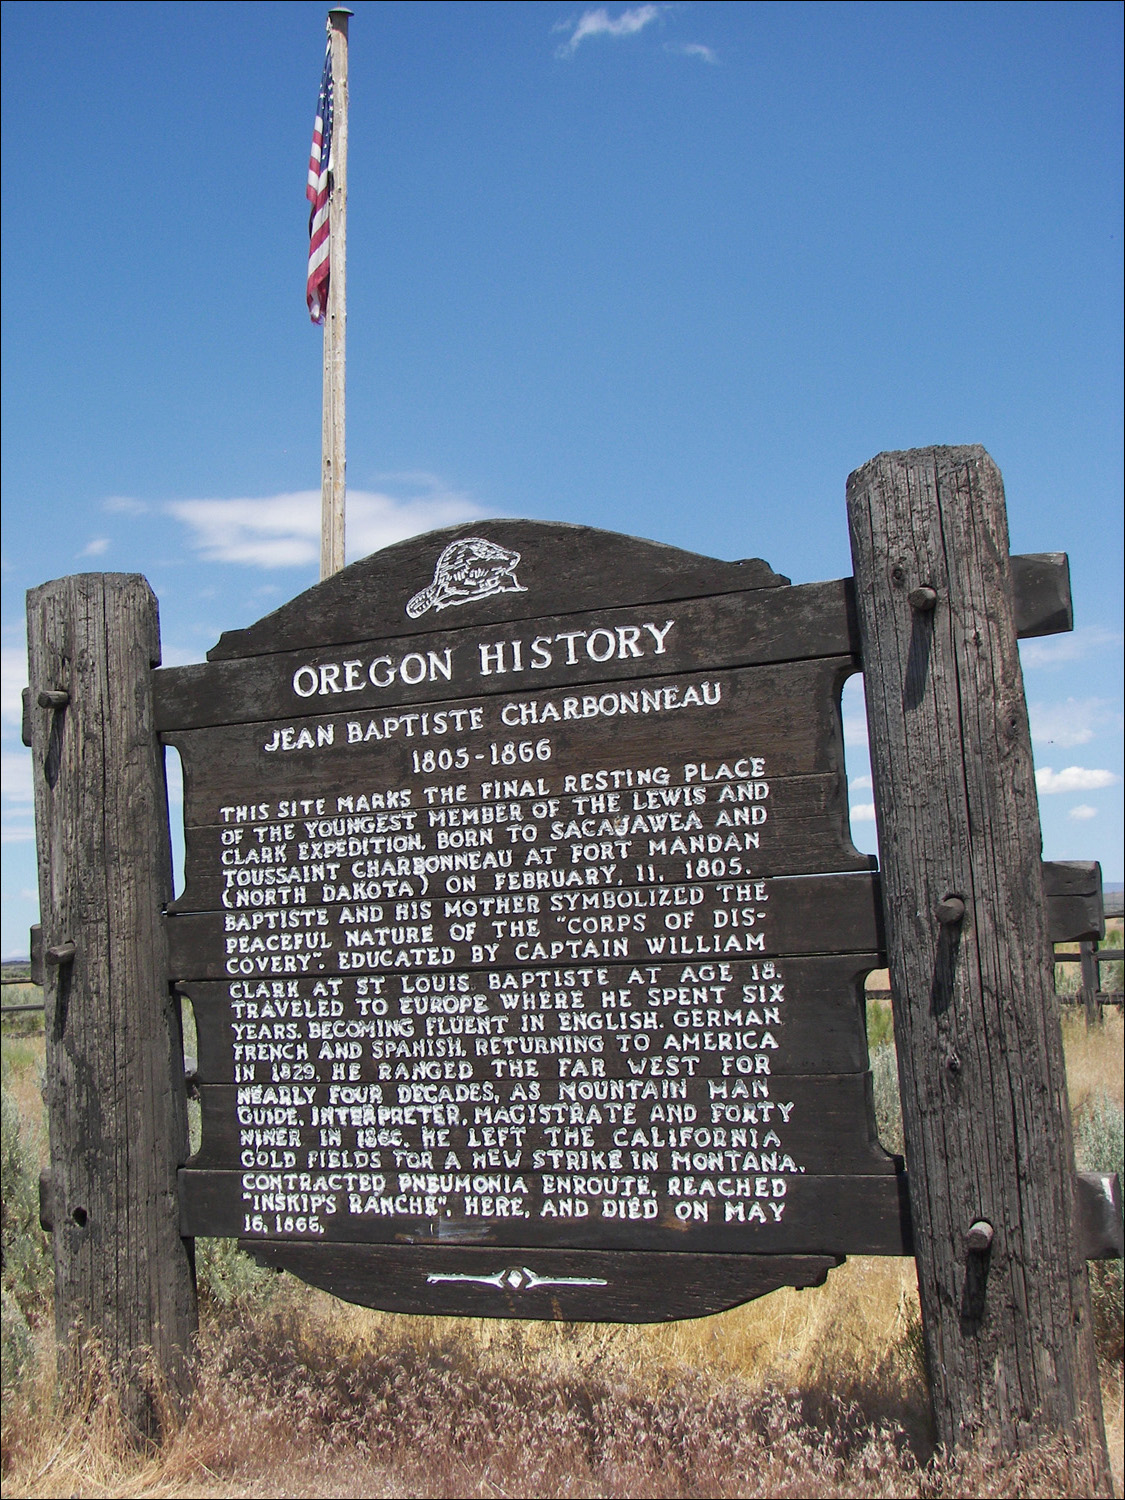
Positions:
(333, 464)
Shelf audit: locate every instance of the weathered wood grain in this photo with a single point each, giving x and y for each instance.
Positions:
(987, 1127)
(570, 1285)
(114, 1091)
(848, 1215)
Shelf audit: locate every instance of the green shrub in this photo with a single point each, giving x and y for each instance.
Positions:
(23, 1023)
(1111, 973)
(229, 1279)
(1099, 1136)
(888, 1108)
(15, 1341)
(880, 1024)
(1068, 979)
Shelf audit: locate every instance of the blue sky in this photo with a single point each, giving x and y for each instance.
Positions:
(673, 270)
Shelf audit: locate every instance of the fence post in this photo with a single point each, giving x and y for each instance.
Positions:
(1002, 1281)
(1091, 983)
(115, 1089)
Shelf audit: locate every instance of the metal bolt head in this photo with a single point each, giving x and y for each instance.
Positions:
(950, 911)
(978, 1239)
(922, 599)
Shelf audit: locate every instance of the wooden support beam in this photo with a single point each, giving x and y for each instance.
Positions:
(115, 1089)
(1007, 1330)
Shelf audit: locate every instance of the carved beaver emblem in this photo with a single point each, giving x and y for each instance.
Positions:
(469, 569)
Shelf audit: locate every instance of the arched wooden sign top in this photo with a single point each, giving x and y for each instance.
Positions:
(525, 933)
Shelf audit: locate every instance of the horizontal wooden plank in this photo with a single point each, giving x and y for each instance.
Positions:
(1072, 877)
(791, 826)
(566, 650)
(560, 567)
(823, 1125)
(1075, 912)
(796, 1215)
(1041, 599)
(802, 914)
(812, 1007)
(570, 1285)
(784, 717)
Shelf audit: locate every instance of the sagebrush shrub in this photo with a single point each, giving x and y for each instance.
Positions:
(26, 1280)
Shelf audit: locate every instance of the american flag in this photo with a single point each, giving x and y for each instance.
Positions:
(318, 192)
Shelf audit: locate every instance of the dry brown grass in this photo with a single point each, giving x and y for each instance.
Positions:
(316, 1399)
(1095, 1058)
(815, 1393)
(24, 1050)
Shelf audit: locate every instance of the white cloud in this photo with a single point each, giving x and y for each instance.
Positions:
(95, 547)
(862, 812)
(599, 23)
(693, 49)
(1074, 722)
(1082, 812)
(179, 655)
(17, 824)
(283, 531)
(860, 784)
(17, 820)
(13, 680)
(125, 505)
(15, 769)
(1055, 650)
(853, 706)
(174, 777)
(855, 729)
(1072, 779)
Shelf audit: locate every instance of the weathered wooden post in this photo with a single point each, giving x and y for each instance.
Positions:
(1003, 1283)
(115, 1086)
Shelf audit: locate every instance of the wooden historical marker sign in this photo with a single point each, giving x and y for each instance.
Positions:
(526, 943)
(525, 935)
